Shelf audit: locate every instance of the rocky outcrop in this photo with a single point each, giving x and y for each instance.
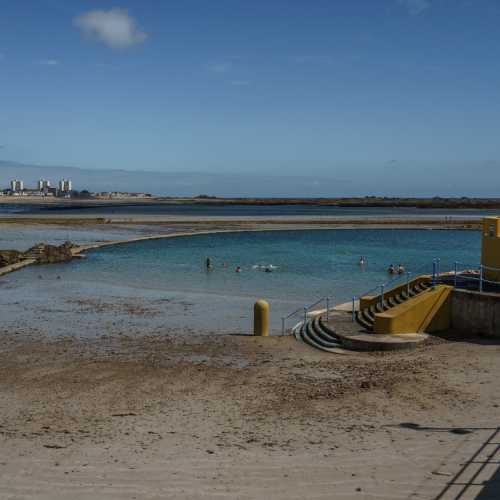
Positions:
(48, 254)
(42, 253)
(8, 257)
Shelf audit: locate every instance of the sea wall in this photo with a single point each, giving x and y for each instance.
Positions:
(475, 313)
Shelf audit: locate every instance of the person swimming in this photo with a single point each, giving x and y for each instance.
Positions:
(238, 269)
(391, 269)
(361, 261)
(208, 263)
(401, 269)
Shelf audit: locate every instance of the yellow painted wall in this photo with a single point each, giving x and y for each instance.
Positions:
(429, 312)
(369, 300)
(490, 254)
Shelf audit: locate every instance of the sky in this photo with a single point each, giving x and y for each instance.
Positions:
(377, 96)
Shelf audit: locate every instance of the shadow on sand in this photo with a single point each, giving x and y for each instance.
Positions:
(466, 483)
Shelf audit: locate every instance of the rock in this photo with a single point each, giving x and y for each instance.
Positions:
(8, 257)
(48, 254)
(42, 253)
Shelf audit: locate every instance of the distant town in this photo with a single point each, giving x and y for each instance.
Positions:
(63, 189)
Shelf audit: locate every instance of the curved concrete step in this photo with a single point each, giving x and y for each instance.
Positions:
(324, 333)
(362, 322)
(327, 330)
(391, 301)
(399, 298)
(305, 338)
(313, 334)
(369, 315)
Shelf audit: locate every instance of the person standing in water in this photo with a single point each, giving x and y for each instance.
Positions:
(208, 264)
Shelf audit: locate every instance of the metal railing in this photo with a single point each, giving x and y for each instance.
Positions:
(381, 289)
(479, 269)
(304, 311)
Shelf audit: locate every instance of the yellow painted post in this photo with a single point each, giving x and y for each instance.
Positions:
(261, 318)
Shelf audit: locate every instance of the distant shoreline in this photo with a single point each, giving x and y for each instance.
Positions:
(351, 202)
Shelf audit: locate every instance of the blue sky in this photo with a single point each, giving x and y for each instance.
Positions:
(381, 95)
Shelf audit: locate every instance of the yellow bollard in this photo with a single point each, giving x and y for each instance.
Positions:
(261, 318)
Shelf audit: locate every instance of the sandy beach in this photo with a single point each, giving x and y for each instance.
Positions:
(241, 417)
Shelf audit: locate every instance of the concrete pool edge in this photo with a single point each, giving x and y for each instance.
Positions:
(78, 250)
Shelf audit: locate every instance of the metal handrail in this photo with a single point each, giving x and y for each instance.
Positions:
(436, 264)
(305, 312)
(436, 275)
(482, 280)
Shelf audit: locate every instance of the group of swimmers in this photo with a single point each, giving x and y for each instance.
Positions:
(267, 269)
(392, 269)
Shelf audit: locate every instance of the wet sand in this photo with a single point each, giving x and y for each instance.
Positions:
(162, 416)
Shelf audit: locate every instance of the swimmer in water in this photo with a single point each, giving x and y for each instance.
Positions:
(391, 269)
(401, 269)
(238, 269)
(362, 261)
(208, 263)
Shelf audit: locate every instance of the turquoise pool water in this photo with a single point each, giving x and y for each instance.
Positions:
(309, 264)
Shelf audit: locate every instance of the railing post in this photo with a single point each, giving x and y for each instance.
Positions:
(353, 309)
(481, 278)
(382, 288)
(408, 283)
(305, 315)
(438, 265)
(455, 280)
(434, 267)
(283, 320)
(327, 309)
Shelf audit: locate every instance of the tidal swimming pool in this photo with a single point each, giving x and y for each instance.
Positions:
(306, 265)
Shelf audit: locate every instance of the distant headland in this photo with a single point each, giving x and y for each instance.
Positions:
(117, 198)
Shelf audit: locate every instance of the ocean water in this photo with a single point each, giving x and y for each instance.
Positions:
(308, 265)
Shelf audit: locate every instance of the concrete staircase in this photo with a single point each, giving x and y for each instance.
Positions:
(339, 333)
(366, 316)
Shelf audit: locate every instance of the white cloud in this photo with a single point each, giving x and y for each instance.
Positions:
(415, 7)
(48, 62)
(114, 28)
(219, 67)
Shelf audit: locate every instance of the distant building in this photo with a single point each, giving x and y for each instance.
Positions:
(16, 186)
(65, 186)
(43, 185)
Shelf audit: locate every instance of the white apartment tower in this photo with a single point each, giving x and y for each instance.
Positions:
(16, 186)
(65, 186)
(43, 185)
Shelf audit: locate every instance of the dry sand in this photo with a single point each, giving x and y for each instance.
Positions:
(241, 417)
